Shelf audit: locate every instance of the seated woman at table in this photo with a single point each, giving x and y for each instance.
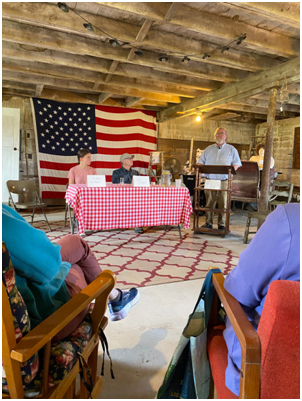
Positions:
(78, 174)
(48, 274)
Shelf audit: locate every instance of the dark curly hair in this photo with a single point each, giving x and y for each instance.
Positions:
(260, 146)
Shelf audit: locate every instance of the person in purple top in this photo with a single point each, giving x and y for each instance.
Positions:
(273, 254)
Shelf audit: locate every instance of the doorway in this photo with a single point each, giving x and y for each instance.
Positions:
(10, 149)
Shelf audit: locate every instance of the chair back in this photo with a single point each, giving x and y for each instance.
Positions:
(26, 190)
(281, 189)
(245, 184)
(279, 333)
(20, 186)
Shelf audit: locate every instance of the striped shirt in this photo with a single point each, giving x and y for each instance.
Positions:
(226, 155)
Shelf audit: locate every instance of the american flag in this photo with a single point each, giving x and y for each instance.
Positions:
(62, 129)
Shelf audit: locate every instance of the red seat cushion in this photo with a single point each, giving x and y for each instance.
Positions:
(279, 333)
(218, 356)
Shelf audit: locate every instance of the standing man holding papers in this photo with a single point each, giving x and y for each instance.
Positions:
(219, 154)
(127, 173)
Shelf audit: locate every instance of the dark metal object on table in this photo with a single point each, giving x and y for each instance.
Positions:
(212, 170)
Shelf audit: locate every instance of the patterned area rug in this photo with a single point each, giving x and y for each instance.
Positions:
(155, 257)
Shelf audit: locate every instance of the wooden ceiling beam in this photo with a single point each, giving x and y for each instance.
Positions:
(156, 87)
(225, 30)
(111, 71)
(257, 110)
(163, 41)
(287, 13)
(48, 39)
(18, 85)
(140, 37)
(131, 101)
(264, 104)
(154, 11)
(63, 96)
(172, 11)
(234, 92)
(91, 76)
(42, 79)
(39, 89)
(104, 96)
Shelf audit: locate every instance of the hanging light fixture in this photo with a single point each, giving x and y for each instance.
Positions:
(64, 7)
(206, 55)
(89, 27)
(114, 42)
(139, 52)
(186, 59)
(225, 49)
(163, 58)
(198, 115)
(241, 39)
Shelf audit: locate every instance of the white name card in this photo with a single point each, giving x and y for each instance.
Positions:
(96, 180)
(212, 184)
(141, 181)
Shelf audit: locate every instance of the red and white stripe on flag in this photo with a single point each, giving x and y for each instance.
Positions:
(62, 129)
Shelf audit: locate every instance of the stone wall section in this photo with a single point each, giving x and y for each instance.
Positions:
(283, 148)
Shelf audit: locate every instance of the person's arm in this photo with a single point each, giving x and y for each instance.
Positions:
(115, 177)
(262, 261)
(236, 162)
(71, 176)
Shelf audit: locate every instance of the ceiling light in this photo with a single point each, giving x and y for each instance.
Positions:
(186, 60)
(114, 42)
(198, 115)
(241, 39)
(205, 56)
(139, 52)
(89, 27)
(64, 7)
(163, 59)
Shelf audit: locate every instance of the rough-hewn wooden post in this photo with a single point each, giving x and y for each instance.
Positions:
(263, 204)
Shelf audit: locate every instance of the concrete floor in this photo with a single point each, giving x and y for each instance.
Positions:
(142, 344)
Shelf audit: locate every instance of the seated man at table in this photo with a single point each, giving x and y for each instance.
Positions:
(127, 173)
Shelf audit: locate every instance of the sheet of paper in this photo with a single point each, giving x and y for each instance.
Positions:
(96, 180)
(140, 181)
(212, 184)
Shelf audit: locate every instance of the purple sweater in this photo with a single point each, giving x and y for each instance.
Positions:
(273, 254)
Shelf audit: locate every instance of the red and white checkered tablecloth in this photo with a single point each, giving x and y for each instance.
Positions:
(125, 206)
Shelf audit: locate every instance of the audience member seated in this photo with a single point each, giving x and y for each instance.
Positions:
(259, 159)
(78, 174)
(126, 173)
(273, 254)
(49, 274)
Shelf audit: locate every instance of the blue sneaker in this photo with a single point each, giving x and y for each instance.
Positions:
(119, 310)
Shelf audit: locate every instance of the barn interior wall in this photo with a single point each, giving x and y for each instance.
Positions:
(27, 137)
(174, 139)
(174, 136)
(283, 148)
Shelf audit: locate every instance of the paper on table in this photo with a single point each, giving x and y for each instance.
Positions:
(96, 180)
(212, 184)
(141, 181)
